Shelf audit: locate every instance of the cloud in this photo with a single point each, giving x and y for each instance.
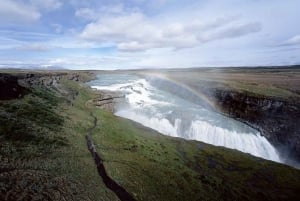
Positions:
(91, 13)
(86, 13)
(25, 36)
(143, 33)
(47, 5)
(295, 40)
(17, 12)
(153, 4)
(114, 28)
(33, 47)
(25, 11)
(136, 32)
(134, 46)
(233, 31)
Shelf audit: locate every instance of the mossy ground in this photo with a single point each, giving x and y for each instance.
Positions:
(43, 153)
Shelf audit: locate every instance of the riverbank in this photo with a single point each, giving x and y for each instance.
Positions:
(43, 133)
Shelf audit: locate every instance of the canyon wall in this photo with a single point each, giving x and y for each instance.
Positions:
(277, 119)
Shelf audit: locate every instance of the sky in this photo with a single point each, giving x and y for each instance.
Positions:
(119, 34)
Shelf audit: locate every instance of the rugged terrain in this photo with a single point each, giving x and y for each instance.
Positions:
(44, 121)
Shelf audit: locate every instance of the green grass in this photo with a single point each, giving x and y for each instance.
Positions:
(263, 90)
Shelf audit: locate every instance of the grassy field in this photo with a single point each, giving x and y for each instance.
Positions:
(43, 155)
(278, 82)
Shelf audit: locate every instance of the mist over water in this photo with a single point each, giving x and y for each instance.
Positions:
(176, 116)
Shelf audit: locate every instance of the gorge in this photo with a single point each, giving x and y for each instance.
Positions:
(173, 110)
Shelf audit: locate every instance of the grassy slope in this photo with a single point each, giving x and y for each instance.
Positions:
(149, 165)
(43, 152)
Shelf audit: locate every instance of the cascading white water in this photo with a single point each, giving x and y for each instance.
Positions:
(178, 117)
(246, 142)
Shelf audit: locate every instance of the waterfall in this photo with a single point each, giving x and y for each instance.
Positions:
(175, 115)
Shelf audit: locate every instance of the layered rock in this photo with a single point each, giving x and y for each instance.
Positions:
(108, 101)
(277, 119)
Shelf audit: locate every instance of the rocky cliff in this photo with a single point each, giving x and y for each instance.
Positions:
(17, 85)
(277, 119)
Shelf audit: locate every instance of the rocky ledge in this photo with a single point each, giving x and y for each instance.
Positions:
(19, 84)
(108, 100)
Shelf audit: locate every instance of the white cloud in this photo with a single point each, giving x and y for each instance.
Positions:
(83, 62)
(86, 13)
(115, 28)
(25, 11)
(153, 4)
(94, 13)
(233, 31)
(136, 32)
(203, 33)
(116, 8)
(17, 12)
(33, 47)
(134, 46)
(295, 40)
(47, 5)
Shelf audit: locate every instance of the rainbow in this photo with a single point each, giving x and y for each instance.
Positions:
(195, 92)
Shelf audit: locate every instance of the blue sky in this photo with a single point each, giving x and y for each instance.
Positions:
(119, 34)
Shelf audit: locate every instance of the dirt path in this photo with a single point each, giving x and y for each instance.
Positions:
(122, 194)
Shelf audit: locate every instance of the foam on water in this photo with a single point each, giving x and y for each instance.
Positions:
(175, 116)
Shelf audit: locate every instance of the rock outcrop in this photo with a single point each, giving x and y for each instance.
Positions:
(109, 101)
(17, 85)
(10, 87)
